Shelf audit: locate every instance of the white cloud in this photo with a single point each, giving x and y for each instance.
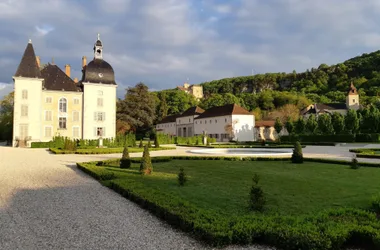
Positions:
(44, 29)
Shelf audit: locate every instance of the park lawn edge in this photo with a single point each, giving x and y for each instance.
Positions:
(330, 229)
(104, 150)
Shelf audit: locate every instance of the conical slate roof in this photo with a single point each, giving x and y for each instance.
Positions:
(28, 66)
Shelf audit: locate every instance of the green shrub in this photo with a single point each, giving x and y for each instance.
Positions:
(297, 156)
(354, 163)
(146, 166)
(70, 145)
(141, 144)
(125, 161)
(256, 195)
(375, 203)
(182, 177)
(105, 176)
(149, 144)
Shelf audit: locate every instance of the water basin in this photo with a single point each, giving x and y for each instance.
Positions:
(255, 152)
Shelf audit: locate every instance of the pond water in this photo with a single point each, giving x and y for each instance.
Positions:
(263, 152)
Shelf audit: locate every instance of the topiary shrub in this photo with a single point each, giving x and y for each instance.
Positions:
(375, 203)
(354, 163)
(182, 177)
(297, 156)
(125, 161)
(146, 166)
(156, 143)
(149, 144)
(141, 144)
(263, 142)
(70, 145)
(256, 195)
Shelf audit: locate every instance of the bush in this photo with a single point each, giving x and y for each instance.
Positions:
(375, 203)
(182, 177)
(256, 195)
(354, 163)
(125, 161)
(141, 144)
(70, 145)
(297, 156)
(149, 144)
(146, 166)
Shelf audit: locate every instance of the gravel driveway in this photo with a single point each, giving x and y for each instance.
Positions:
(46, 203)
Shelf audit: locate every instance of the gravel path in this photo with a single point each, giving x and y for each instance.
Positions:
(46, 203)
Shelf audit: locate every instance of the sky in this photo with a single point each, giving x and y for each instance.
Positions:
(165, 42)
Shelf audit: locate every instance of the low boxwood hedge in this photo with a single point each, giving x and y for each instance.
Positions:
(331, 229)
(104, 150)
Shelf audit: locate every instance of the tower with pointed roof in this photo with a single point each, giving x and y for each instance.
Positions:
(352, 99)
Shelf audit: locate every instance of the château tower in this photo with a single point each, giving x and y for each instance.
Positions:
(352, 99)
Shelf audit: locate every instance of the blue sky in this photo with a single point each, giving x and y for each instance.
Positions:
(164, 42)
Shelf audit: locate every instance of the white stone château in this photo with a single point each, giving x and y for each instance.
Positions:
(47, 102)
(224, 123)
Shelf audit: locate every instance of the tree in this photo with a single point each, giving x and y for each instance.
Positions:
(138, 108)
(182, 177)
(256, 195)
(300, 126)
(311, 124)
(351, 121)
(278, 125)
(324, 124)
(6, 117)
(146, 166)
(156, 143)
(125, 161)
(289, 126)
(141, 144)
(122, 127)
(162, 111)
(297, 156)
(337, 120)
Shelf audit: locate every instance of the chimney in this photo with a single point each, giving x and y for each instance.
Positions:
(67, 70)
(84, 62)
(76, 80)
(38, 61)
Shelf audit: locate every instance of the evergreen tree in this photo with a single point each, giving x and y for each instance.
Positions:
(337, 120)
(141, 144)
(351, 121)
(146, 166)
(163, 107)
(300, 126)
(289, 126)
(278, 125)
(256, 195)
(182, 177)
(297, 156)
(149, 144)
(324, 124)
(125, 161)
(311, 124)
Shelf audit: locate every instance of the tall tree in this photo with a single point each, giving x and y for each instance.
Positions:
(162, 107)
(278, 125)
(324, 124)
(6, 117)
(300, 126)
(289, 125)
(351, 121)
(138, 107)
(337, 120)
(311, 124)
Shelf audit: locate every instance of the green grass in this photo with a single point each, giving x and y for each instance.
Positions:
(104, 150)
(290, 189)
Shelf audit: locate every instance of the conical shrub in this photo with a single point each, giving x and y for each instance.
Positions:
(146, 166)
(125, 161)
(297, 156)
(156, 143)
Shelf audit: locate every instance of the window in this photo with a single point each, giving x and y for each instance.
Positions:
(225, 119)
(75, 116)
(24, 94)
(179, 121)
(210, 122)
(99, 116)
(100, 102)
(100, 92)
(48, 99)
(48, 131)
(353, 100)
(24, 110)
(75, 131)
(62, 122)
(205, 122)
(216, 121)
(189, 119)
(76, 101)
(196, 122)
(48, 115)
(100, 131)
(63, 105)
(23, 131)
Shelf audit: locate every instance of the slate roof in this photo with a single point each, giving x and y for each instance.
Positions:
(56, 79)
(192, 111)
(323, 107)
(28, 66)
(168, 119)
(352, 90)
(99, 71)
(229, 109)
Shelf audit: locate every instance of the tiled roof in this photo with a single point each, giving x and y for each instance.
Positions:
(323, 107)
(229, 109)
(28, 66)
(192, 111)
(56, 79)
(168, 119)
(265, 123)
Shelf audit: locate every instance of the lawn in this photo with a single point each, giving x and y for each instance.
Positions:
(290, 189)
(309, 206)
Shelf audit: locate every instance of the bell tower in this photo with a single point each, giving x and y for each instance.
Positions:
(98, 49)
(352, 99)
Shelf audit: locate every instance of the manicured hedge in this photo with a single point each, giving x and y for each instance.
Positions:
(318, 138)
(104, 150)
(240, 146)
(332, 229)
(367, 138)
